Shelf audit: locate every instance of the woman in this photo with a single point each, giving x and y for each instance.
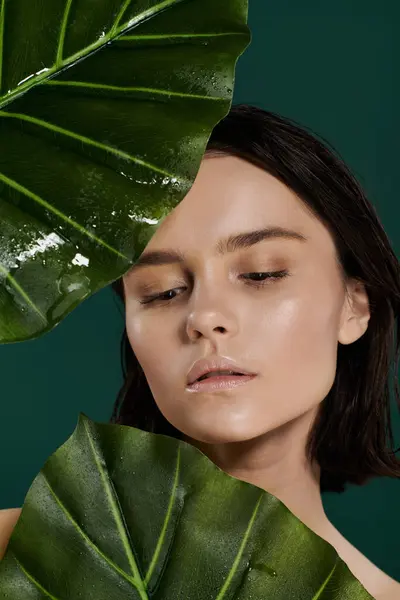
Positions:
(277, 267)
(310, 312)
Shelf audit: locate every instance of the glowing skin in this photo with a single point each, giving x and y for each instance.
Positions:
(287, 331)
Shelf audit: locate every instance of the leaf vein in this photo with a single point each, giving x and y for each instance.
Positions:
(89, 141)
(176, 35)
(63, 30)
(87, 539)
(83, 53)
(23, 190)
(2, 22)
(118, 516)
(150, 12)
(120, 15)
(325, 583)
(100, 86)
(35, 581)
(167, 519)
(22, 292)
(239, 554)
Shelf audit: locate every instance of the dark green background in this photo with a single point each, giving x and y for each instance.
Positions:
(333, 66)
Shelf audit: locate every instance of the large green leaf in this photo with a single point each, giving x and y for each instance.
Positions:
(106, 107)
(118, 513)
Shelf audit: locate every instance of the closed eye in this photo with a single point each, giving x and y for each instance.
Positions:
(265, 276)
(261, 279)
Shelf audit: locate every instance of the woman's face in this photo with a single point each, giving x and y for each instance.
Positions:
(285, 330)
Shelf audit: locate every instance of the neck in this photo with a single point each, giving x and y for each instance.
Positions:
(276, 462)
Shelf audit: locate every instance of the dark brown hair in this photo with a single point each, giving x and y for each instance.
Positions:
(352, 438)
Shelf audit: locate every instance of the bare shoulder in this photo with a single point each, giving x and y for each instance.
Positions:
(8, 520)
(389, 590)
(378, 583)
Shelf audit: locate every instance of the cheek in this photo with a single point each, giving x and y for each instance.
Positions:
(151, 345)
(307, 318)
(298, 341)
(142, 342)
(299, 325)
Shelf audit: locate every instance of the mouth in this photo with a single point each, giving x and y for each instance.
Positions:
(215, 383)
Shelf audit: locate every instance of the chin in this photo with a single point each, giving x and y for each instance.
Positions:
(220, 421)
(218, 433)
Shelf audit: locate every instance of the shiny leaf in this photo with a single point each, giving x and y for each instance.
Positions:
(106, 107)
(118, 513)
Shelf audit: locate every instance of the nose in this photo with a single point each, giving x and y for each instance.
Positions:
(210, 317)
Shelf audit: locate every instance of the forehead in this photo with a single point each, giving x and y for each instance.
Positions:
(231, 195)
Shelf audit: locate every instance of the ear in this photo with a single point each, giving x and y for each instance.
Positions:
(355, 313)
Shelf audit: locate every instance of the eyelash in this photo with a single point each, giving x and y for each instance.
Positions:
(271, 275)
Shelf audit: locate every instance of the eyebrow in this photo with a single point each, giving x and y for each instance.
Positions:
(230, 244)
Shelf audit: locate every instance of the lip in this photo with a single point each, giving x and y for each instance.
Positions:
(214, 363)
(219, 383)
